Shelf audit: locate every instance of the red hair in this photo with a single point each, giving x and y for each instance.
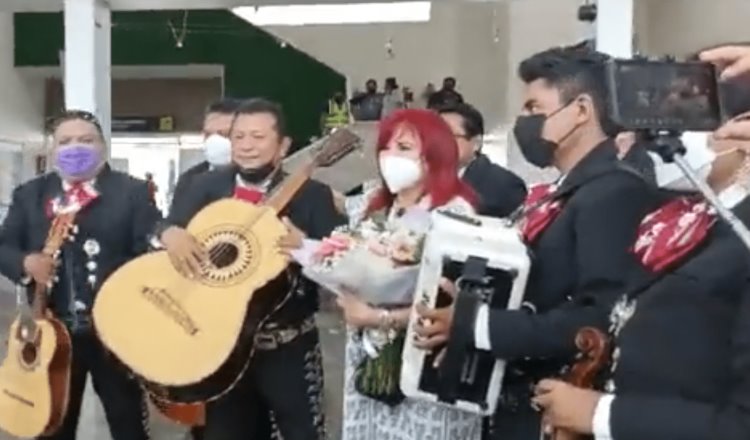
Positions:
(439, 152)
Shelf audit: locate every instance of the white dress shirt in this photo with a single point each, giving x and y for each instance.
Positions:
(600, 425)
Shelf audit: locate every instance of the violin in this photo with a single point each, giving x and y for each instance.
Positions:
(593, 356)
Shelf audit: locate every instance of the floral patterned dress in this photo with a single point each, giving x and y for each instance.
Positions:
(369, 419)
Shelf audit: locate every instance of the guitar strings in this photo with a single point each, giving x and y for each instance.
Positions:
(223, 249)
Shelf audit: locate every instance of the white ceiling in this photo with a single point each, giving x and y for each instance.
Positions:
(56, 5)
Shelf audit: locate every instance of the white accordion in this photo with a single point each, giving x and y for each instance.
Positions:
(452, 242)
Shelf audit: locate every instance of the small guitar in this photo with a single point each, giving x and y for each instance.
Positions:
(196, 335)
(35, 375)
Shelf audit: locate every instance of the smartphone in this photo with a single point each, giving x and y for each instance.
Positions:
(664, 95)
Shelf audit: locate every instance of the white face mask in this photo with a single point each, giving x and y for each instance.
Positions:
(218, 150)
(699, 156)
(399, 172)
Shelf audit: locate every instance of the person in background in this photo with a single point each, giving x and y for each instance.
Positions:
(368, 106)
(217, 149)
(152, 188)
(424, 97)
(408, 96)
(500, 191)
(392, 99)
(445, 96)
(337, 114)
(114, 218)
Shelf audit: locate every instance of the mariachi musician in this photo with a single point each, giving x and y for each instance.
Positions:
(217, 150)
(285, 373)
(579, 230)
(680, 364)
(114, 220)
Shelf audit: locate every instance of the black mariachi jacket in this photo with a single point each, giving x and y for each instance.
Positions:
(500, 191)
(580, 262)
(682, 356)
(114, 228)
(312, 210)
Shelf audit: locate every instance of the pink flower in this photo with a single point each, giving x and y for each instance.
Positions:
(332, 245)
(377, 248)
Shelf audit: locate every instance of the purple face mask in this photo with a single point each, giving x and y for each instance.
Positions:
(78, 162)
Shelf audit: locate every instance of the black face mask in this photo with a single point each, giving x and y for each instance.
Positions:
(537, 150)
(257, 175)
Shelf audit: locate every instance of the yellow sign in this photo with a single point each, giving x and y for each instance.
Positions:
(166, 123)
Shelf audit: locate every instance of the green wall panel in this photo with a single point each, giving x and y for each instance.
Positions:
(255, 63)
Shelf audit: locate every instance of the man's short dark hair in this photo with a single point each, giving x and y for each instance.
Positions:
(573, 71)
(262, 105)
(75, 115)
(473, 122)
(226, 106)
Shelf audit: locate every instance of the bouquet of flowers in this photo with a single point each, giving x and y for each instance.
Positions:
(373, 260)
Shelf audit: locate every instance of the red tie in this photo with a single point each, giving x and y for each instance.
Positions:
(539, 215)
(80, 194)
(249, 195)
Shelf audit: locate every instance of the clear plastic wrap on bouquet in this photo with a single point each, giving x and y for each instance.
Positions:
(374, 278)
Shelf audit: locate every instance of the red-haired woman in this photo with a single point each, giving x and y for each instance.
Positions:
(418, 159)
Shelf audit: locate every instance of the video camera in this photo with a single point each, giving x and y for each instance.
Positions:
(664, 95)
(663, 99)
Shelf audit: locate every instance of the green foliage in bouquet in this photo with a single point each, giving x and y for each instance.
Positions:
(379, 378)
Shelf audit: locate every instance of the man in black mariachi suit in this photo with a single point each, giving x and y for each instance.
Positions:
(579, 232)
(285, 372)
(680, 364)
(114, 220)
(500, 191)
(217, 123)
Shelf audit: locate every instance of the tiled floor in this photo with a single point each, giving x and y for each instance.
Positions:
(93, 426)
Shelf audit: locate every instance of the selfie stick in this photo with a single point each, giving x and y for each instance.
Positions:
(671, 149)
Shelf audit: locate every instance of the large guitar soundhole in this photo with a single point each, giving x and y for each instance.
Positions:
(223, 254)
(233, 255)
(29, 353)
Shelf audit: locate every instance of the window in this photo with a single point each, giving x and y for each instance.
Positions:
(346, 13)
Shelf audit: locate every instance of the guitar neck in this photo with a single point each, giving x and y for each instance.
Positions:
(289, 187)
(40, 299)
(40, 302)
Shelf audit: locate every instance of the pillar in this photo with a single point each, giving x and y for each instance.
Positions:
(614, 27)
(87, 59)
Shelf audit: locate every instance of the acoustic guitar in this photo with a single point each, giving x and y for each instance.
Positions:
(194, 336)
(35, 375)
